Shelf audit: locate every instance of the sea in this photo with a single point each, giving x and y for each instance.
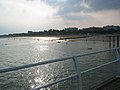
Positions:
(16, 51)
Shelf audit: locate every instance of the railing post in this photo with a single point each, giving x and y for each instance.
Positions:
(118, 66)
(113, 41)
(110, 41)
(77, 68)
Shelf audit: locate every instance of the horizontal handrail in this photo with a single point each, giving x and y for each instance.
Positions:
(99, 66)
(31, 65)
(72, 76)
(57, 60)
(97, 52)
(49, 61)
(55, 82)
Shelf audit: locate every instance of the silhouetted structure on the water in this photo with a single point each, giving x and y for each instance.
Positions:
(114, 41)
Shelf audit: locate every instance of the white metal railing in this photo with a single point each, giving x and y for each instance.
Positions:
(76, 64)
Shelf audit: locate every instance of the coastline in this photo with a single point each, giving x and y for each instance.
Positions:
(99, 37)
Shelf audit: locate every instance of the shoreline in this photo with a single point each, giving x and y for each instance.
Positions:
(74, 37)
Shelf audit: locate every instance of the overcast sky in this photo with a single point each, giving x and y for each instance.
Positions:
(23, 15)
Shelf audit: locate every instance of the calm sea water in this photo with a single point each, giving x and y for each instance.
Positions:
(25, 50)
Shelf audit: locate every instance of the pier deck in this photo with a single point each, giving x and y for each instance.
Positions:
(113, 85)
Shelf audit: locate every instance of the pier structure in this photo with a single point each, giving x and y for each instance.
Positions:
(114, 41)
(110, 83)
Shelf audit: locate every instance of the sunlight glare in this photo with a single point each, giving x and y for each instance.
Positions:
(25, 13)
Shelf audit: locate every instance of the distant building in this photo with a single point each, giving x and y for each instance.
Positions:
(71, 29)
(30, 32)
(93, 28)
(110, 27)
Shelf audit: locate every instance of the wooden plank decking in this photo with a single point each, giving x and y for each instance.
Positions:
(113, 85)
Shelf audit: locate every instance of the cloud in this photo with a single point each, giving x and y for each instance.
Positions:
(65, 6)
(46, 14)
(98, 5)
(28, 15)
(76, 6)
(107, 17)
(89, 12)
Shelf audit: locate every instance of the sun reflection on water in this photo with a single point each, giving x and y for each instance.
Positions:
(41, 47)
(36, 77)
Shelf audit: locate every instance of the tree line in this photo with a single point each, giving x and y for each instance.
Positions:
(67, 31)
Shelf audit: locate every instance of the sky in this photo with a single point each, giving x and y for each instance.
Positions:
(17, 16)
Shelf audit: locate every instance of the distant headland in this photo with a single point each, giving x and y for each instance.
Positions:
(110, 29)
